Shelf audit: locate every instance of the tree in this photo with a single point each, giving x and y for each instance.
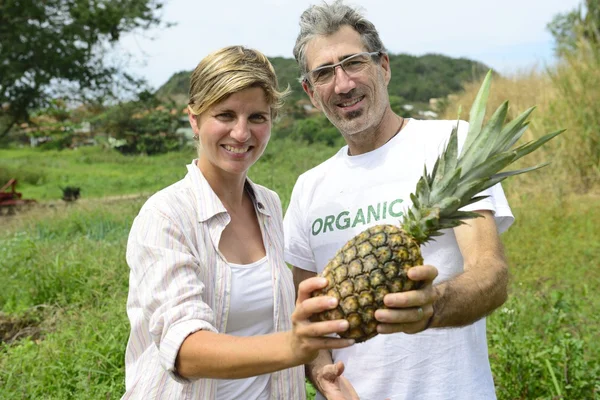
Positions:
(144, 126)
(53, 45)
(570, 27)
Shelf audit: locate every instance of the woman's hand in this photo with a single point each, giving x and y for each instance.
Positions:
(306, 338)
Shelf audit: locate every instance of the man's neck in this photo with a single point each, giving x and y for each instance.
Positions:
(375, 137)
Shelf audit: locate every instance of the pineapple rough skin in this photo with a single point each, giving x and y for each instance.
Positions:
(369, 266)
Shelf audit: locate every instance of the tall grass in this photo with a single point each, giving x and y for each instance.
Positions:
(546, 330)
(566, 96)
(63, 269)
(577, 82)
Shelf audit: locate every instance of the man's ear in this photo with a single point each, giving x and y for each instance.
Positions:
(311, 94)
(387, 69)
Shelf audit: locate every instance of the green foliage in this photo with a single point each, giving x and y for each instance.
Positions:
(55, 45)
(579, 24)
(176, 88)
(414, 78)
(55, 124)
(317, 129)
(144, 126)
(563, 29)
(418, 79)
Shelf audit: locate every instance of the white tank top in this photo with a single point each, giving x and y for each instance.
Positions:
(250, 314)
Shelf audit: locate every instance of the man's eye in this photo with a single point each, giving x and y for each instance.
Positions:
(351, 63)
(323, 73)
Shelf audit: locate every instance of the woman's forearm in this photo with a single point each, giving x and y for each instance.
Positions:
(213, 355)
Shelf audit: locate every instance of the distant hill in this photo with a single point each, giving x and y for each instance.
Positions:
(414, 78)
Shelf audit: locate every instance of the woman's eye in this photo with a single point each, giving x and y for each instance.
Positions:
(258, 118)
(225, 116)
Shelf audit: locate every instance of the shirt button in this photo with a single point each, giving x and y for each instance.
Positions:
(260, 206)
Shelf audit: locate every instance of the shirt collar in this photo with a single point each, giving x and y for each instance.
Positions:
(258, 197)
(209, 203)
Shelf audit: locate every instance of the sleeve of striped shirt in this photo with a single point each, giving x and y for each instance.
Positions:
(169, 282)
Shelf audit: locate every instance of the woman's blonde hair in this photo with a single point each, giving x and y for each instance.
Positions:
(230, 70)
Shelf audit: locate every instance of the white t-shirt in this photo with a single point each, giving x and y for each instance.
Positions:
(250, 314)
(345, 195)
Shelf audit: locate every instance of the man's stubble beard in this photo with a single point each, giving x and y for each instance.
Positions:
(346, 123)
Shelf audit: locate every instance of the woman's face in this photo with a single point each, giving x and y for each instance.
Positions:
(234, 132)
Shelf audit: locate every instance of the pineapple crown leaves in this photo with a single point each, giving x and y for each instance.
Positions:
(456, 179)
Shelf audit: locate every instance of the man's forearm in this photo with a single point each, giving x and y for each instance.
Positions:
(470, 296)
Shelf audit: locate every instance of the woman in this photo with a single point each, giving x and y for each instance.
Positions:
(211, 301)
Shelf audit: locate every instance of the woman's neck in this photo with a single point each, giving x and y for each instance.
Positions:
(229, 188)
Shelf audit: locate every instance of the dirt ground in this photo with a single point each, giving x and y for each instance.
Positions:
(13, 328)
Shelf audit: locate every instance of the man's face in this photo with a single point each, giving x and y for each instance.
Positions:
(353, 103)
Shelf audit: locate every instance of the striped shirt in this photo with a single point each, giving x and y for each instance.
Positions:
(179, 284)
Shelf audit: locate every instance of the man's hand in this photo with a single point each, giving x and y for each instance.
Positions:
(332, 384)
(410, 311)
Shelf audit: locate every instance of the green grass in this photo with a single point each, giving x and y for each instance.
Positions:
(543, 342)
(63, 269)
(104, 172)
(98, 172)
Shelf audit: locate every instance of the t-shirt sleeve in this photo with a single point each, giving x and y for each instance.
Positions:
(497, 203)
(297, 251)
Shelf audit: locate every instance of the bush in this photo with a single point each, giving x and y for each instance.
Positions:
(144, 126)
(317, 129)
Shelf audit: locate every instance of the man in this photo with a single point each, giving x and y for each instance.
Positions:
(345, 73)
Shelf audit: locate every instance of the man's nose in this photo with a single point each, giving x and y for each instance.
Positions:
(343, 82)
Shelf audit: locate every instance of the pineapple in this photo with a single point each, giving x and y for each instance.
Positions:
(375, 262)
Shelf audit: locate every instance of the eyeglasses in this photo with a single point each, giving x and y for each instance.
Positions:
(351, 66)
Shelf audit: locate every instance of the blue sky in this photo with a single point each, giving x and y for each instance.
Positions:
(509, 36)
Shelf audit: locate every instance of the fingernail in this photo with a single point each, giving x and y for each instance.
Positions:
(323, 281)
(344, 324)
(332, 302)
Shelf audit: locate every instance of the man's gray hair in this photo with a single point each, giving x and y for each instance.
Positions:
(326, 19)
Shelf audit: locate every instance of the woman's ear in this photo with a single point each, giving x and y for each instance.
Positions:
(193, 121)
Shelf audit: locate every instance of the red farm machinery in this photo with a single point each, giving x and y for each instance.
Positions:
(11, 200)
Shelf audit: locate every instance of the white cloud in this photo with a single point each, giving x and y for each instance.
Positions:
(506, 35)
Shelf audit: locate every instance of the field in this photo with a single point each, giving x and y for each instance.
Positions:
(63, 276)
(64, 279)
